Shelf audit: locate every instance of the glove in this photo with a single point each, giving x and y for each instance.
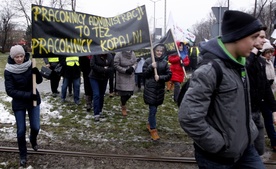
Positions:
(130, 70)
(35, 71)
(34, 97)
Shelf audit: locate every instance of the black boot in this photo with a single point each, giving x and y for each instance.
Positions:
(88, 103)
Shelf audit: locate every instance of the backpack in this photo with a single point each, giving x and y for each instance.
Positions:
(206, 59)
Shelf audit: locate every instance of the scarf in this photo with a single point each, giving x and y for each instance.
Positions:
(17, 69)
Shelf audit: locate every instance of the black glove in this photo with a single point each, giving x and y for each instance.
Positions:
(130, 70)
(35, 71)
(34, 97)
(271, 81)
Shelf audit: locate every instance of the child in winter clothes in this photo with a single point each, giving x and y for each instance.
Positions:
(177, 69)
(154, 90)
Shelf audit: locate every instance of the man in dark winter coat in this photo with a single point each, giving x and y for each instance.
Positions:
(259, 89)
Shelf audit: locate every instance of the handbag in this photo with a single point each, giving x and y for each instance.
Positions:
(45, 72)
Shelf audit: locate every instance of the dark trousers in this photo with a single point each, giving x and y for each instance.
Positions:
(87, 86)
(54, 82)
(268, 122)
(111, 82)
(140, 79)
(250, 159)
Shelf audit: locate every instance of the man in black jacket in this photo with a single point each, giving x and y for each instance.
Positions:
(259, 89)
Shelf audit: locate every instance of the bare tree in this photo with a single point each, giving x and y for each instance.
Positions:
(6, 25)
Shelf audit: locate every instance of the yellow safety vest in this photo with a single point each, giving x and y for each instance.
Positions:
(191, 50)
(55, 59)
(72, 60)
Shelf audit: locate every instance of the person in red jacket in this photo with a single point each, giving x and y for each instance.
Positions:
(177, 68)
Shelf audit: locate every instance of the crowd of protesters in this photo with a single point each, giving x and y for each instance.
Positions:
(226, 127)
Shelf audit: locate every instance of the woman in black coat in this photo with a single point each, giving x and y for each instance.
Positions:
(154, 89)
(101, 67)
(19, 86)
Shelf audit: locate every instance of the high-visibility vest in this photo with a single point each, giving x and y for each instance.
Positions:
(54, 59)
(72, 60)
(191, 50)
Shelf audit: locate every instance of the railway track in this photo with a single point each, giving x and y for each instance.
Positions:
(186, 160)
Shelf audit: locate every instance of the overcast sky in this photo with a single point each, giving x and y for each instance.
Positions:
(185, 12)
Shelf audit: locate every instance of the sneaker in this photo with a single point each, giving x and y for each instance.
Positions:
(111, 94)
(35, 147)
(154, 135)
(23, 163)
(97, 118)
(102, 115)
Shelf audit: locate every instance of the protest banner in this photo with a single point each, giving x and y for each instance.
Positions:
(168, 41)
(64, 32)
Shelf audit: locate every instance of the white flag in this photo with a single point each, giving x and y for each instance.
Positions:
(178, 32)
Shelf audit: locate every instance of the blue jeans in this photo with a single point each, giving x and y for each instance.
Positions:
(76, 89)
(268, 122)
(152, 116)
(249, 160)
(34, 118)
(98, 87)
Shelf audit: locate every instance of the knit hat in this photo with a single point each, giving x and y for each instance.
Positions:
(237, 25)
(16, 50)
(267, 46)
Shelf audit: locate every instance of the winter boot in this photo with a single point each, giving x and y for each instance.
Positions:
(88, 103)
(124, 112)
(154, 135)
(148, 127)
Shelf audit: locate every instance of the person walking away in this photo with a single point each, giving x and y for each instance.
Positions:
(125, 64)
(218, 119)
(71, 73)
(139, 73)
(52, 62)
(154, 90)
(177, 69)
(193, 55)
(268, 115)
(101, 66)
(259, 89)
(19, 86)
(85, 69)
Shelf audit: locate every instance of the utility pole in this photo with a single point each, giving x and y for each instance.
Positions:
(165, 18)
(154, 18)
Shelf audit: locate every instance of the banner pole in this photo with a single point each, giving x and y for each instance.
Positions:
(34, 81)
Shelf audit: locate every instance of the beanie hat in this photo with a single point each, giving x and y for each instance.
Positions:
(267, 46)
(237, 25)
(16, 50)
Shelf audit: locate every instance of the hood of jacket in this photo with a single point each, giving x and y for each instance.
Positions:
(164, 53)
(216, 47)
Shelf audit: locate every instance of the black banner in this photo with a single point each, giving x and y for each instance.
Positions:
(64, 32)
(168, 41)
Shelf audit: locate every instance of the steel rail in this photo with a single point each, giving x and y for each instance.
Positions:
(97, 155)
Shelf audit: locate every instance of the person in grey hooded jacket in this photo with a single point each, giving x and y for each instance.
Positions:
(222, 127)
